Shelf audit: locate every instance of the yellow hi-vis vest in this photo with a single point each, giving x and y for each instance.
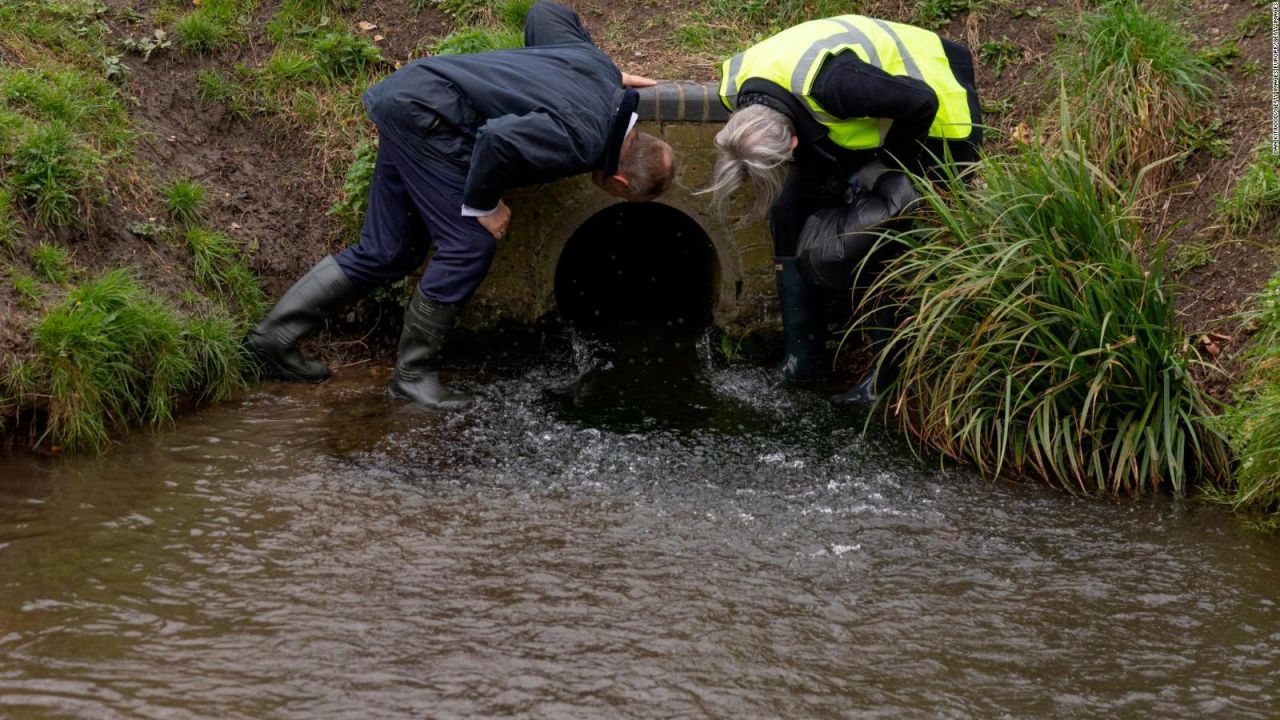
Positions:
(793, 57)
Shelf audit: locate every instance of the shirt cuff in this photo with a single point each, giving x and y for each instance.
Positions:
(468, 211)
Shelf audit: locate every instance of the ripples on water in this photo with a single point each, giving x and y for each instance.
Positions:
(574, 547)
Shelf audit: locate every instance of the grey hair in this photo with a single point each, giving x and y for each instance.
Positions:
(754, 145)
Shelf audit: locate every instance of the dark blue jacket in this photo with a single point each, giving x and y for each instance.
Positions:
(510, 118)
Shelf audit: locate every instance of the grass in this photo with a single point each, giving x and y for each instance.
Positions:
(213, 25)
(10, 225)
(51, 262)
(1134, 78)
(112, 354)
(198, 31)
(480, 39)
(29, 293)
(1253, 420)
(999, 54)
(934, 14)
(184, 199)
(220, 268)
(56, 175)
(1254, 199)
(1039, 344)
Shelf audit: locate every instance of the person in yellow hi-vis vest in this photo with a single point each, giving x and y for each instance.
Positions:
(815, 108)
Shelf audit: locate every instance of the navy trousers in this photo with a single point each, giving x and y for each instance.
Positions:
(413, 202)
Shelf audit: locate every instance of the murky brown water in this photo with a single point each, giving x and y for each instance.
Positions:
(714, 548)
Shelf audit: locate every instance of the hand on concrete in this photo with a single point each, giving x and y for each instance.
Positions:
(636, 81)
(498, 222)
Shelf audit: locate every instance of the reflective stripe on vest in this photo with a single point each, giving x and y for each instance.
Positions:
(792, 59)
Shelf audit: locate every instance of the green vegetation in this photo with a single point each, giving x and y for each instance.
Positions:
(57, 176)
(1253, 422)
(486, 25)
(934, 14)
(184, 199)
(355, 189)
(199, 32)
(10, 226)
(51, 262)
(999, 54)
(1133, 77)
(474, 40)
(220, 268)
(213, 25)
(29, 293)
(1255, 197)
(112, 354)
(719, 28)
(1040, 345)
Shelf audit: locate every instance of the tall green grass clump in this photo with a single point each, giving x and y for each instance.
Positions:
(1255, 197)
(200, 32)
(1134, 78)
(56, 175)
(111, 354)
(1038, 344)
(184, 199)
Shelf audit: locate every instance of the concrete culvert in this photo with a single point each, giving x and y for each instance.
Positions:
(634, 266)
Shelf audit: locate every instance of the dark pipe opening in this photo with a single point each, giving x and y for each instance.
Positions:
(637, 266)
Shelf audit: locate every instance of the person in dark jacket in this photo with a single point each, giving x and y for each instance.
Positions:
(455, 133)
(820, 104)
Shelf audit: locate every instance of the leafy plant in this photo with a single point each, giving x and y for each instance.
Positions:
(147, 44)
(999, 54)
(355, 188)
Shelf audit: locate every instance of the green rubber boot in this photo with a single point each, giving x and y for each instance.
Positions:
(427, 326)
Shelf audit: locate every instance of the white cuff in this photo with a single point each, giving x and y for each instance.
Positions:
(468, 211)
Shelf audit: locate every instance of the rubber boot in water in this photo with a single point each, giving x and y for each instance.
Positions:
(804, 325)
(322, 292)
(427, 326)
(884, 373)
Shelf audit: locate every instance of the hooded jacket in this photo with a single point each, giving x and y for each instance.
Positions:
(511, 118)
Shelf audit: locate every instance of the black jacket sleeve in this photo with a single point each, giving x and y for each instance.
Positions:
(847, 87)
(550, 23)
(518, 150)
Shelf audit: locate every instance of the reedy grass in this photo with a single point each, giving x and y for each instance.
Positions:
(112, 354)
(1038, 343)
(1133, 79)
(51, 262)
(184, 199)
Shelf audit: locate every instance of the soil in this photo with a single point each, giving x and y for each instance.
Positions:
(270, 189)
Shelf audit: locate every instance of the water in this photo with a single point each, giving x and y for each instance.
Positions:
(597, 541)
